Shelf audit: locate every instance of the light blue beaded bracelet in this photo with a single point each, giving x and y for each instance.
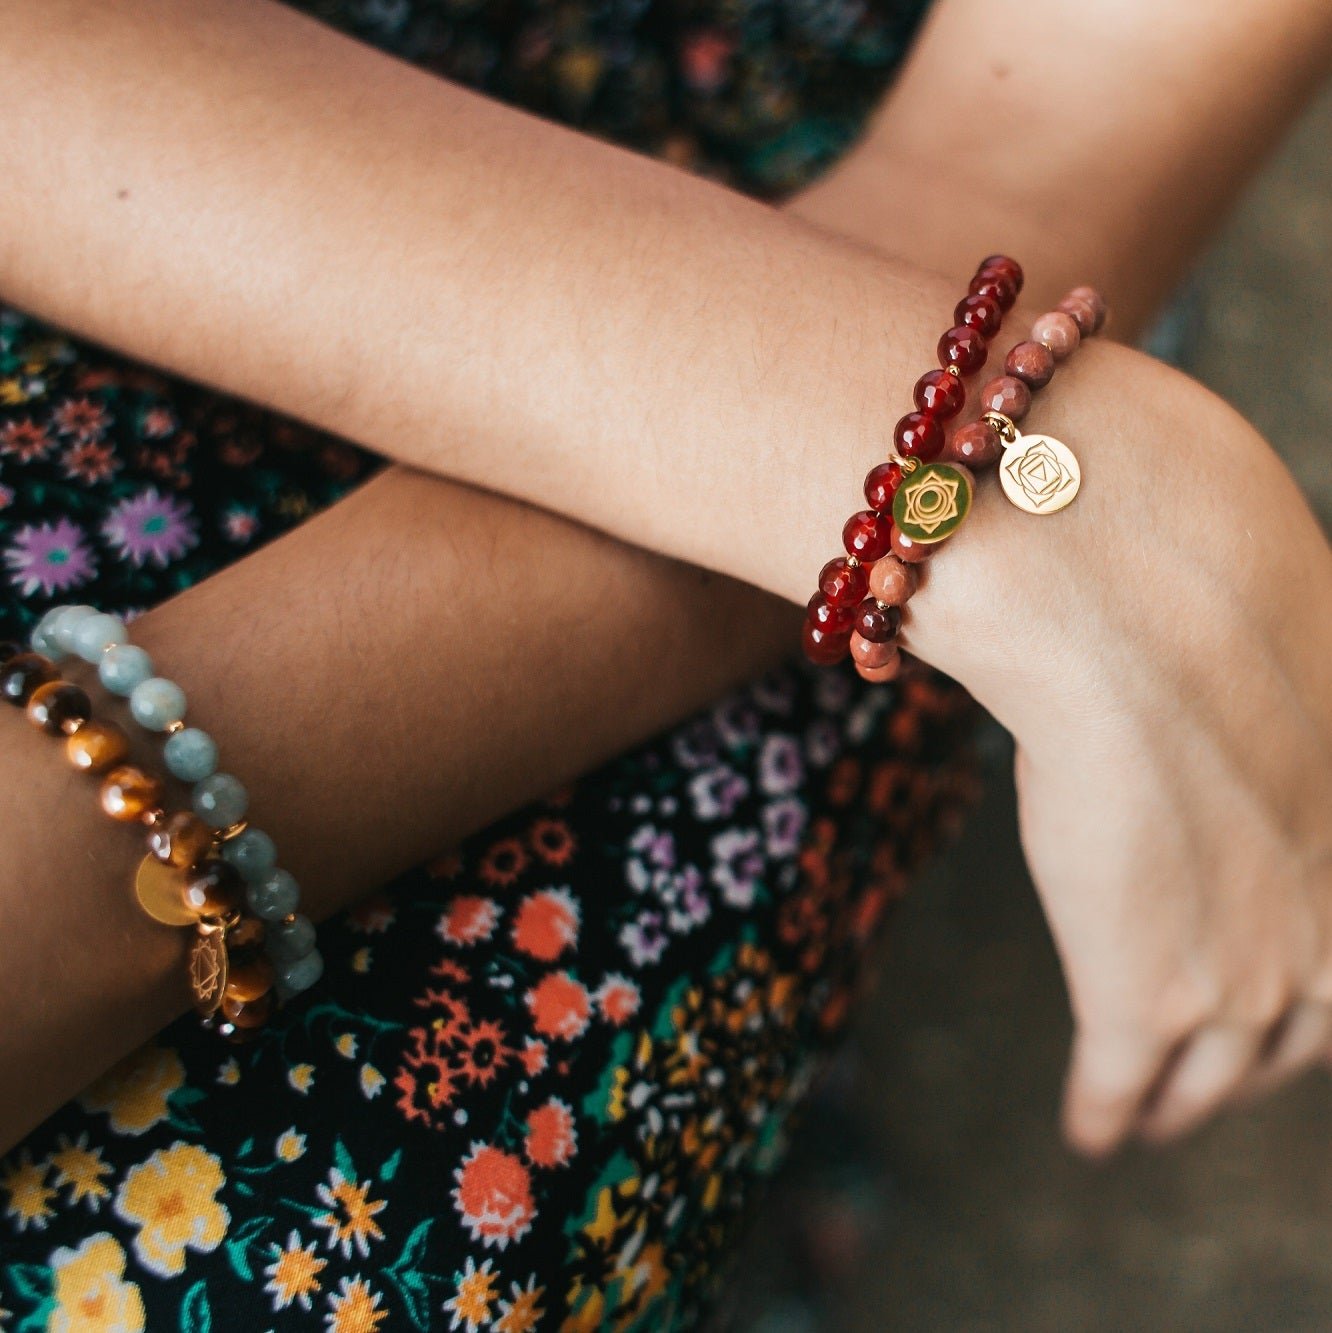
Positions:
(190, 754)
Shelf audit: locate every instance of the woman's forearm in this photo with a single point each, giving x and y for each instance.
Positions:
(393, 675)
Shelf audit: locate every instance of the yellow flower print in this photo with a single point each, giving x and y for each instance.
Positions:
(301, 1077)
(229, 1074)
(354, 1308)
(470, 1304)
(294, 1274)
(372, 1082)
(290, 1145)
(351, 1216)
(11, 392)
(172, 1199)
(90, 1292)
(29, 1195)
(81, 1168)
(522, 1311)
(360, 961)
(134, 1093)
(346, 1045)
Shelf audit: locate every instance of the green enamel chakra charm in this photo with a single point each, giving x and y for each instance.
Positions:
(931, 502)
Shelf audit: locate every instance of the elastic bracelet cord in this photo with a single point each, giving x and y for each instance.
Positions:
(923, 493)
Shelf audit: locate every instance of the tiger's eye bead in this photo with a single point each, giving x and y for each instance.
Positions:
(1058, 331)
(1010, 268)
(908, 551)
(822, 647)
(245, 940)
(214, 888)
(867, 653)
(981, 313)
(918, 435)
(822, 614)
(1006, 394)
(876, 623)
(248, 1014)
(128, 793)
(893, 582)
(843, 583)
(940, 394)
(964, 348)
(977, 444)
(881, 485)
(24, 673)
(867, 535)
(59, 708)
(249, 978)
(181, 840)
(97, 746)
(1032, 363)
(1094, 299)
(995, 284)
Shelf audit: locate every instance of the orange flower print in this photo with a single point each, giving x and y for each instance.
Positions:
(354, 1308)
(372, 915)
(468, 920)
(503, 863)
(470, 1304)
(482, 1052)
(618, 999)
(546, 924)
(494, 1195)
(553, 841)
(294, 1273)
(522, 1311)
(533, 1056)
(560, 1006)
(551, 1137)
(351, 1216)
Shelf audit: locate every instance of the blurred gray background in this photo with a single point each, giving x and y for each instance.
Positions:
(932, 1190)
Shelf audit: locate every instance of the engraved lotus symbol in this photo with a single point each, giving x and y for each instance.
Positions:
(1040, 473)
(933, 503)
(205, 969)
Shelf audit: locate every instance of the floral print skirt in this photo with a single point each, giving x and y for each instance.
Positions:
(545, 1074)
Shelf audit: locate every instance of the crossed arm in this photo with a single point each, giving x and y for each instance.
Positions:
(695, 373)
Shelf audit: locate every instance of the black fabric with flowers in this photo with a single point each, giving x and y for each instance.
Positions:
(544, 1073)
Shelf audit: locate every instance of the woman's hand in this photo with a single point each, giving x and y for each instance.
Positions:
(1162, 651)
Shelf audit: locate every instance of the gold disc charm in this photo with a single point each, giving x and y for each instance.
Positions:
(931, 502)
(1039, 474)
(158, 888)
(208, 970)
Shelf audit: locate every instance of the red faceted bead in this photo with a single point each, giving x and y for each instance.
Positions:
(982, 313)
(843, 583)
(831, 619)
(964, 348)
(939, 393)
(877, 623)
(822, 647)
(867, 535)
(1010, 268)
(990, 282)
(919, 435)
(881, 485)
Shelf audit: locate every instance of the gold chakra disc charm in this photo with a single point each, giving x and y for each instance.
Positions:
(158, 889)
(1039, 474)
(931, 502)
(208, 970)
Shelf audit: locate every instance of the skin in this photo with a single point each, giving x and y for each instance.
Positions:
(1172, 833)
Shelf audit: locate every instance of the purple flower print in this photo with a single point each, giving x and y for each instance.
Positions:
(737, 721)
(689, 906)
(775, 692)
(49, 558)
(6, 497)
(644, 939)
(717, 791)
(783, 827)
(657, 848)
(821, 742)
(150, 527)
(737, 866)
(780, 765)
(697, 746)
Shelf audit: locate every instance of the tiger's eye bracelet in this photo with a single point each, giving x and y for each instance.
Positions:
(922, 494)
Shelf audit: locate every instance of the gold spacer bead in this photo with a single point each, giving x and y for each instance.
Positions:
(231, 831)
(152, 818)
(208, 925)
(954, 372)
(852, 562)
(883, 606)
(173, 727)
(1005, 425)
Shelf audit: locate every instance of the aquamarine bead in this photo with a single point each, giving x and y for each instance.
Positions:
(220, 800)
(190, 755)
(300, 974)
(252, 853)
(289, 940)
(277, 896)
(44, 638)
(123, 668)
(157, 702)
(67, 626)
(93, 633)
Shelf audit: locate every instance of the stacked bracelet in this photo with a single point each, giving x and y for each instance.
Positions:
(923, 493)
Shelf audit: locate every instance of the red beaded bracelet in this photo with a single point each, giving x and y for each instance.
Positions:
(923, 493)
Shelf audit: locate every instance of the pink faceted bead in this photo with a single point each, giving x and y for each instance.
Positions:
(976, 444)
(1094, 299)
(1058, 331)
(892, 582)
(865, 652)
(1008, 395)
(1032, 363)
(886, 672)
(1084, 315)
